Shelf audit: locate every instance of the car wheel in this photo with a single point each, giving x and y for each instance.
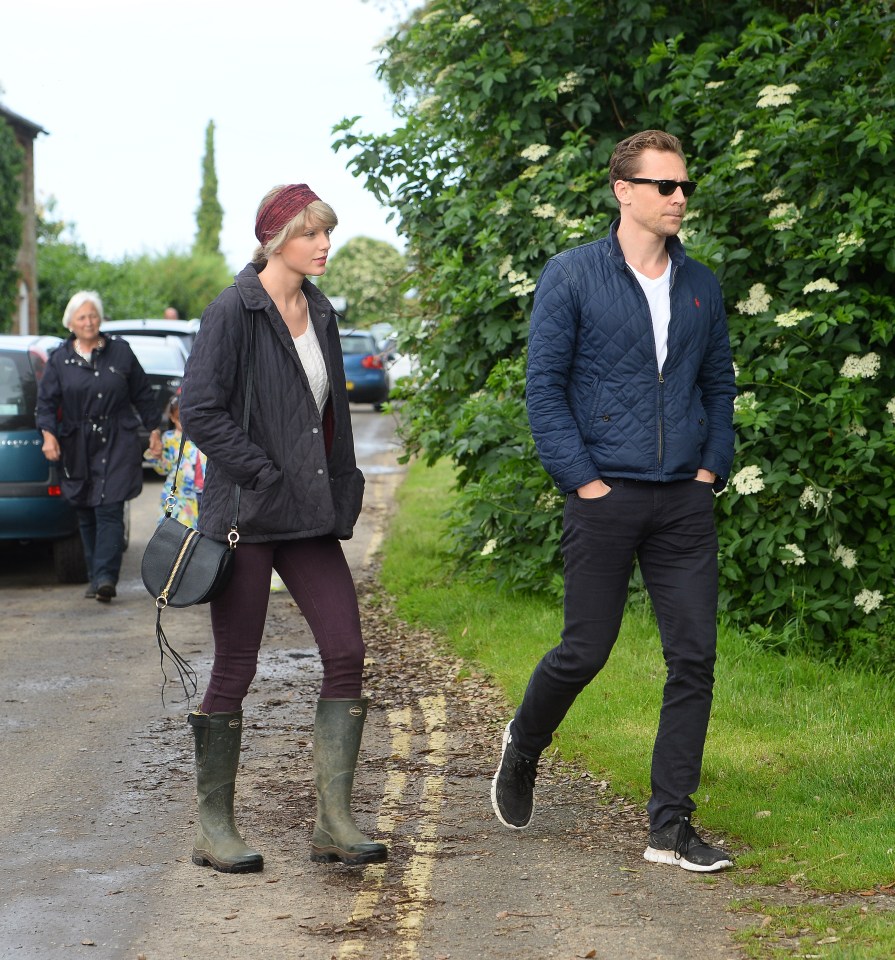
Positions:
(68, 559)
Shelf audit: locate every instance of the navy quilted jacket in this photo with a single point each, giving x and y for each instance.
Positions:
(597, 403)
(296, 469)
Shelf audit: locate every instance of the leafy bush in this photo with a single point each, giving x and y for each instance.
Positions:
(11, 163)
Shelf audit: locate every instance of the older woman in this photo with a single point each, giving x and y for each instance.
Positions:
(300, 493)
(91, 399)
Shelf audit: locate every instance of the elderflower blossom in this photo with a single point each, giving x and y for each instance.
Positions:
(503, 268)
(792, 318)
(798, 555)
(503, 208)
(569, 82)
(530, 172)
(757, 302)
(856, 429)
(869, 600)
(811, 497)
(857, 367)
(748, 159)
(748, 480)
(428, 103)
(846, 556)
(714, 84)
(845, 240)
(821, 284)
(775, 194)
(573, 224)
(890, 409)
(489, 547)
(745, 401)
(737, 139)
(520, 283)
(786, 214)
(467, 22)
(544, 211)
(774, 96)
(535, 152)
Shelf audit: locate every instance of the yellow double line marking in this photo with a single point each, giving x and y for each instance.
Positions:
(417, 876)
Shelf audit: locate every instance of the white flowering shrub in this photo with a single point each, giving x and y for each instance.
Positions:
(804, 243)
(788, 126)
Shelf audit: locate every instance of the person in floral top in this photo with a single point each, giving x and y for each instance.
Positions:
(191, 476)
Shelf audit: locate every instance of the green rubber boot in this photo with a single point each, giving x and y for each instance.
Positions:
(218, 843)
(338, 727)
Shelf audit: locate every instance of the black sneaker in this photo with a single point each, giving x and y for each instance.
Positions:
(680, 845)
(512, 789)
(105, 592)
(90, 592)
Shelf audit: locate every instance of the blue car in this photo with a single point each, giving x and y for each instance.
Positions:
(31, 502)
(366, 375)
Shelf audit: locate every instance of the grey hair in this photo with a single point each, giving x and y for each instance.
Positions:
(78, 301)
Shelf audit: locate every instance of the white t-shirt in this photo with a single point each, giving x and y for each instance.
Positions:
(311, 356)
(658, 296)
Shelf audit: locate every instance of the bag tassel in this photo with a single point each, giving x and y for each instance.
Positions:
(186, 674)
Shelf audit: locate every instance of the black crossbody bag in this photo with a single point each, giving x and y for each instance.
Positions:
(182, 567)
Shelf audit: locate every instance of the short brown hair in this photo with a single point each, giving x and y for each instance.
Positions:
(625, 158)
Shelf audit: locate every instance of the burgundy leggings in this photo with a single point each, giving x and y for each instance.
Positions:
(316, 574)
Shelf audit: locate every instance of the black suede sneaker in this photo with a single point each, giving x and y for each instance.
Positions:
(512, 789)
(105, 592)
(680, 845)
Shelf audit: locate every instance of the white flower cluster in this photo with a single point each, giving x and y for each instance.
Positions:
(869, 600)
(569, 82)
(774, 96)
(748, 480)
(757, 302)
(535, 152)
(890, 409)
(811, 497)
(846, 556)
(544, 211)
(775, 194)
(503, 208)
(745, 401)
(489, 547)
(520, 283)
(821, 285)
(846, 240)
(530, 172)
(573, 224)
(786, 215)
(856, 429)
(857, 367)
(798, 555)
(737, 139)
(792, 318)
(714, 84)
(467, 22)
(503, 268)
(748, 159)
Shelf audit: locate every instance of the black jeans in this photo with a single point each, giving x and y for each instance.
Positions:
(102, 533)
(670, 529)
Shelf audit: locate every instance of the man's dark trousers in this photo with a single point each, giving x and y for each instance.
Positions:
(670, 529)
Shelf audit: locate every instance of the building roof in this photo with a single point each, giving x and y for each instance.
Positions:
(21, 123)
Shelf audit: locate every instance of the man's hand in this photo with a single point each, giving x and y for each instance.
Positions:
(593, 490)
(706, 476)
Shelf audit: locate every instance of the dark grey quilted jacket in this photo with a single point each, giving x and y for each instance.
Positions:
(296, 469)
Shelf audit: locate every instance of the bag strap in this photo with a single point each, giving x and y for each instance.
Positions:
(233, 535)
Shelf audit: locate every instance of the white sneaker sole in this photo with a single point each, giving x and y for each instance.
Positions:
(668, 856)
(497, 813)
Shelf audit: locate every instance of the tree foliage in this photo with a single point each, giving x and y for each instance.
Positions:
(210, 214)
(11, 163)
(509, 112)
(370, 274)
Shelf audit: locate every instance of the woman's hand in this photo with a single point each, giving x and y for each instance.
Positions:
(50, 446)
(155, 445)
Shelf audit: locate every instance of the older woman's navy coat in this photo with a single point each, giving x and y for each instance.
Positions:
(94, 408)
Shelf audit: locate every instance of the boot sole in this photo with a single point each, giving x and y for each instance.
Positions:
(668, 857)
(240, 866)
(334, 855)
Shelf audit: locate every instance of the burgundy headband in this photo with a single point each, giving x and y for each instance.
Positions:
(282, 209)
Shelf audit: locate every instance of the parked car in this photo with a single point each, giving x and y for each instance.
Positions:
(185, 330)
(365, 372)
(31, 502)
(163, 359)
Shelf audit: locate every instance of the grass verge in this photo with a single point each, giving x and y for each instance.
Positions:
(798, 769)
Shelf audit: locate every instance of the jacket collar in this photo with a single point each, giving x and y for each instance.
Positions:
(255, 297)
(673, 247)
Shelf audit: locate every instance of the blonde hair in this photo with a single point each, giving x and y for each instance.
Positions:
(78, 301)
(316, 213)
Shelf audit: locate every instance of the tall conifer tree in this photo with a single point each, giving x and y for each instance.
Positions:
(210, 215)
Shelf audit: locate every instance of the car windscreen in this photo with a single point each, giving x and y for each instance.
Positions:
(358, 345)
(18, 391)
(156, 356)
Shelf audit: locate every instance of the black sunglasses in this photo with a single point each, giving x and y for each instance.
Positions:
(667, 187)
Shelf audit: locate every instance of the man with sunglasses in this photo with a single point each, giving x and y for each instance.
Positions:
(630, 390)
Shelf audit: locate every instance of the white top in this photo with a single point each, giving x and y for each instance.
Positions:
(658, 296)
(311, 356)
